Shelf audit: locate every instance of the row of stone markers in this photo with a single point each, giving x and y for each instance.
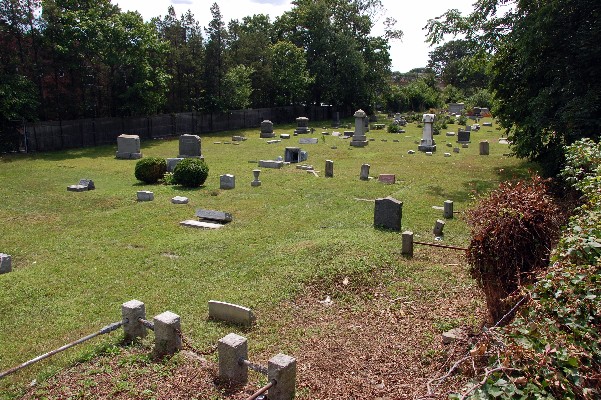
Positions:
(388, 213)
(232, 349)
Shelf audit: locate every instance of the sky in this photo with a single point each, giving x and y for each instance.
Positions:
(410, 52)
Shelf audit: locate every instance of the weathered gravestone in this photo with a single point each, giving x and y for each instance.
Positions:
(463, 137)
(5, 263)
(388, 213)
(387, 178)
(292, 154)
(427, 143)
(271, 164)
(484, 148)
(329, 169)
(172, 162)
(213, 215)
(189, 146)
(438, 227)
(308, 141)
(359, 138)
(267, 129)
(128, 147)
(302, 125)
(145, 195)
(364, 176)
(83, 186)
(227, 181)
(230, 313)
(180, 200)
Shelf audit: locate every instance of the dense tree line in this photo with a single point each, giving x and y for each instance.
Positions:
(66, 59)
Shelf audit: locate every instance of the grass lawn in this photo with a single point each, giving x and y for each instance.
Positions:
(78, 256)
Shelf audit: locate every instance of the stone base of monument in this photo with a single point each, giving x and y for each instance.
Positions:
(359, 143)
(128, 156)
(185, 156)
(267, 135)
(302, 131)
(427, 148)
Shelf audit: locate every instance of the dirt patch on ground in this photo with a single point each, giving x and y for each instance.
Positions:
(350, 342)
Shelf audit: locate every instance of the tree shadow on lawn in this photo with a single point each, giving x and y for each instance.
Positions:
(477, 187)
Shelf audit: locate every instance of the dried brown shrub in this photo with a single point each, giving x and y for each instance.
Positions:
(513, 231)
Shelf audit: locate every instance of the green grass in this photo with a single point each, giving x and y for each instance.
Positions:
(78, 256)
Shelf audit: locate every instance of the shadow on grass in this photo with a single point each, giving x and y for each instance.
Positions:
(475, 187)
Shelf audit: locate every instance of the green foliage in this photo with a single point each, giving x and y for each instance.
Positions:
(553, 347)
(291, 79)
(394, 128)
(191, 172)
(513, 229)
(150, 169)
(481, 98)
(237, 84)
(419, 95)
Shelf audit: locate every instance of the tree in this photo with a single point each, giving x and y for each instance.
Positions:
(238, 86)
(545, 75)
(215, 67)
(291, 79)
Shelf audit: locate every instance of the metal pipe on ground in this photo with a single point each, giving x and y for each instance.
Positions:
(106, 329)
(262, 390)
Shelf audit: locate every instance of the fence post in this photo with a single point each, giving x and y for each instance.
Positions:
(166, 334)
(130, 312)
(231, 349)
(282, 369)
(407, 246)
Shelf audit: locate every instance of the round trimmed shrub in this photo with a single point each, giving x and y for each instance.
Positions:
(150, 169)
(191, 172)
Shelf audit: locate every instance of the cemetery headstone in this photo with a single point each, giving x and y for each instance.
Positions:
(359, 138)
(172, 162)
(488, 124)
(238, 138)
(364, 172)
(484, 148)
(302, 125)
(213, 215)
(455, 149)
(447, 154)
(128, 147)
(189, 146)
(83, 186)
(267, 129)
(227, 181)
(145, 195)
(329, 169)
(388, 213)
(180, 200)
(463, 137)
(284, 136)
(448, 209)
(271, 164)
(308, 141)
(230, 313)
(427, 143)
(387, 178)
(465, 145)
(5, 263)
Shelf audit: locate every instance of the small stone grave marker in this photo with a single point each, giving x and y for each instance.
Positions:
(213, 215)
(271, 164)
(5, 263)
(230, 313)
(308, 141)
(83, 186)
(387, 178)
(227, 181)
(145, 195)
(180, 200)
(200, 224)
(128, 147)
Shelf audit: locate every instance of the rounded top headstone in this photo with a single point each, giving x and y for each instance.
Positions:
(428, 118)
(360, 114)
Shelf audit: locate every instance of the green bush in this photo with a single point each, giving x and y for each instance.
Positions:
(394, 128)
(150, 169)
(191, 172)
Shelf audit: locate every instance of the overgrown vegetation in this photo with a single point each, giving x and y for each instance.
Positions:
(514, 229)
(552, 349)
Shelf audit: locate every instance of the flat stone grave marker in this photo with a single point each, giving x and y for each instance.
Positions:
(200, 224)
(82, 186)
(238, 138)
(284, 136)
(387, 178)
(180, 200)
(213, 215)
(271, 164)
(308, 141)
(230, 313)
(145, 195)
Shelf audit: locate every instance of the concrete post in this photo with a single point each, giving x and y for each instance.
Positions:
(329, 169)
(364, 172)
(166, 337)
(282, 369)
(130, 312)
(448, 209)
(231, 349)
(484, 148)
(407, 244)
(438, 227)
(5, 263)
